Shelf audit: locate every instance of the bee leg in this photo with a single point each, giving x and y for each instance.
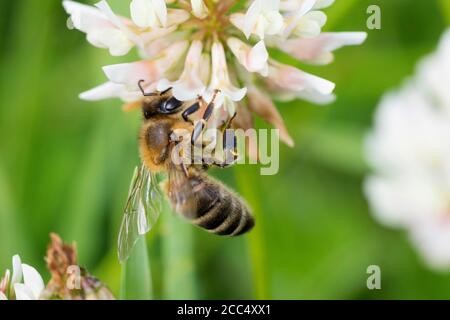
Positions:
(229, 148)
(193, 109)
(201, 125)
(231, 155)
(230, 122)
(189, 111)
(229, 144)
(174, 137)
(174, 140)
(185, 170)
(152, 94)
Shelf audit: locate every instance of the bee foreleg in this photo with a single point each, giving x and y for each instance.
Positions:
(191, 110)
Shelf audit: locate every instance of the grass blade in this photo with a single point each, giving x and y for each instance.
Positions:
(136, 278)
(246, 182)
(177, 255)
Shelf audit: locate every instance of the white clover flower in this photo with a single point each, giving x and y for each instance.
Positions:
(149, 13)
(303, 19)
(30, 289)
(190, 85)
(263, 18)
(434, 73)
(199, 9)
(409, 148)
(204, 48)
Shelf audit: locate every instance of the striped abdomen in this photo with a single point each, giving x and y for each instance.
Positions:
(218, 210)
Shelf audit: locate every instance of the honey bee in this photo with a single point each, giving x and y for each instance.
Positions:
(202, 200)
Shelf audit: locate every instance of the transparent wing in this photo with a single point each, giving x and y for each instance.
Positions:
(142, 210)
(182, 192)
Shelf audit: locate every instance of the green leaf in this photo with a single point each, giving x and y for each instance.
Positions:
(136, 278)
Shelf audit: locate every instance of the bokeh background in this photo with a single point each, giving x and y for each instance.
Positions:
(65, 167)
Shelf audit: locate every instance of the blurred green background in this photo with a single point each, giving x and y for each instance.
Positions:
(65, 167)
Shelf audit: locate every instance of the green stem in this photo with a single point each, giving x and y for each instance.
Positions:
(136, 277)
(178, 258)
(245, 176)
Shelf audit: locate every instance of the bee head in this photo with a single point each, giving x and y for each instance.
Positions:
(163, 103)
(160, 105)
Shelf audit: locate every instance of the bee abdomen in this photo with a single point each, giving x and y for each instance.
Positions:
(233, 220)
(214, 217)
(246, 224)
(226, 216)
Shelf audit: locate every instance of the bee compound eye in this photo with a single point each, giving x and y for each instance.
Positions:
(170, 106)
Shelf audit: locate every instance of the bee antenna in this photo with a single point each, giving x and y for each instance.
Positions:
(143, 91)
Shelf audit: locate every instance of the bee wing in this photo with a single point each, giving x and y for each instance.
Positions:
(181, 192)
(141, 212)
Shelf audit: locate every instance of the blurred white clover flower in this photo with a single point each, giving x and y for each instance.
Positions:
(409, 148)
(200, 46)
(30, 289)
